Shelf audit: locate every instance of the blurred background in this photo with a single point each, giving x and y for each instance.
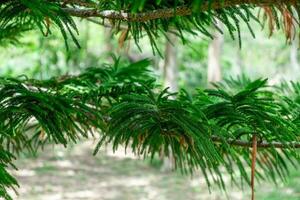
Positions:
(72, 173)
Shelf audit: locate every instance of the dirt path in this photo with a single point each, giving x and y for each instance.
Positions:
(74, 174)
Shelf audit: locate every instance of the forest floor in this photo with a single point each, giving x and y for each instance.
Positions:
(75, 174)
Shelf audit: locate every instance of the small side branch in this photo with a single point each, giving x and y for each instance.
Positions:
(253, 164)
(241, 143)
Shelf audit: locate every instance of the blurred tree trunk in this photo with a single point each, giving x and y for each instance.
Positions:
(294, 50)
(86, 37)
(294, 56)
(214, 73)
(108, 42)
(170, 68)
(239, 62)
(170, 79)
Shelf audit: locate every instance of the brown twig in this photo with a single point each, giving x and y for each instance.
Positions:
(253, 163)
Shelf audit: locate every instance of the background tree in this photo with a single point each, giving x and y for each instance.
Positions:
(214, 53)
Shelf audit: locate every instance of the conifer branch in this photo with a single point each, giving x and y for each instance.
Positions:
(241, 143)
(170, 12)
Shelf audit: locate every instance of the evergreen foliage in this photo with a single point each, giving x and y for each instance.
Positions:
(154, 18)
(126, 107)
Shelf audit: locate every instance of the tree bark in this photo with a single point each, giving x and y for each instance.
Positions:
(170, 69)
(214, 73)
(185, 10)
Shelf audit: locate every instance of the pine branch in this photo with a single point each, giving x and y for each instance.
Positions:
(66, 109)
(171, 12)
(249, 144)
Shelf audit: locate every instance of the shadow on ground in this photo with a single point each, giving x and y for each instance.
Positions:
(74, 174)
